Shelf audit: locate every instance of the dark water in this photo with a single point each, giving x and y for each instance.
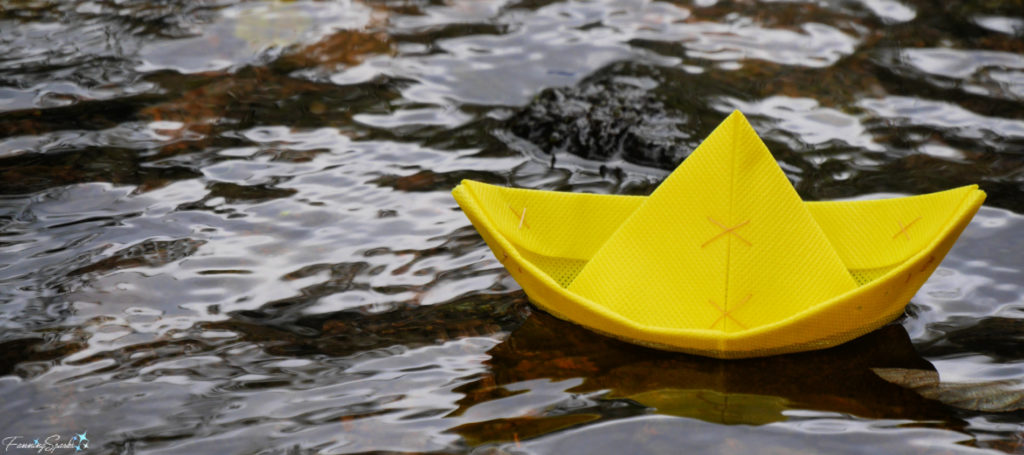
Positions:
(225, 226)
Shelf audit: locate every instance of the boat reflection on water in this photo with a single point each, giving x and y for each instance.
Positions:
(604, 374)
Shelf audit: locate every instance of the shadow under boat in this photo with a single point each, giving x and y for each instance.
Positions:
(750, 391)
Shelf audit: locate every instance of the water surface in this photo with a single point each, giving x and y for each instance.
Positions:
(226, 227)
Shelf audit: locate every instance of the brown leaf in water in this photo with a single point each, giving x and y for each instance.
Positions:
(518, 428)
(342, 48)
(988, 396)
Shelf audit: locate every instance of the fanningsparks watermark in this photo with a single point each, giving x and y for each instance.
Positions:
(50, 444)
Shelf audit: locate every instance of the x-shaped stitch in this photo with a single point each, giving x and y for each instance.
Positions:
(726, 313)
(903, 229)
(726, 231)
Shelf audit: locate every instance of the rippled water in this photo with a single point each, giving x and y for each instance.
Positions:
(226, 227)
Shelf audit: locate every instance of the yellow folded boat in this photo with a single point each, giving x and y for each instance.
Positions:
(723, 259)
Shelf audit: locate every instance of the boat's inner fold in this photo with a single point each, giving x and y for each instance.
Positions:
(559, 232)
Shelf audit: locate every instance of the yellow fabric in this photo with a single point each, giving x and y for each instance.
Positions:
(738, 230)
(724, 259)
(907, 225)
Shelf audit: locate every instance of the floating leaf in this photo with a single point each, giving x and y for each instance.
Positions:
(988, 396)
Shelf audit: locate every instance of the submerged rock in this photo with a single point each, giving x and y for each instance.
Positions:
(615, 114)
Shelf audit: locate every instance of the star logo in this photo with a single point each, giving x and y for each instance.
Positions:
(83, 441)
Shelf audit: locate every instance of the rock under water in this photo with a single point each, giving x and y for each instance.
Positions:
(613, 115)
